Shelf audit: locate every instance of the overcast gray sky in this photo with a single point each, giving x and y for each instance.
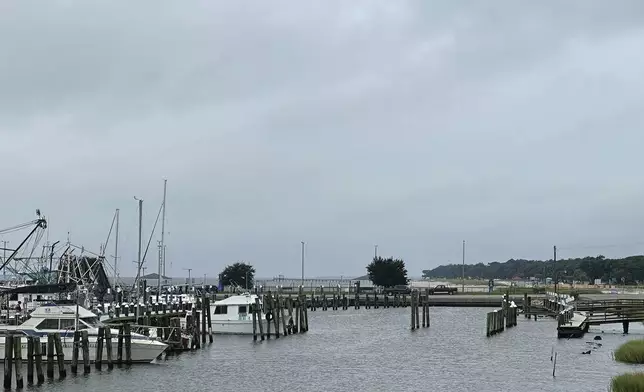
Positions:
(408, 124)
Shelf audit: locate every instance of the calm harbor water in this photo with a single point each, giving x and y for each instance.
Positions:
(374, 350)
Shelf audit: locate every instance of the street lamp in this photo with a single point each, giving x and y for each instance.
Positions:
(302, 242)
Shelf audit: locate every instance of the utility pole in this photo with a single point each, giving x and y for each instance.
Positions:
(554, 267)
(302, 264)
(463, 270)
(375, 251)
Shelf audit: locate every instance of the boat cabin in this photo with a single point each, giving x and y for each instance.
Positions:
(236, 307)
(57, 317)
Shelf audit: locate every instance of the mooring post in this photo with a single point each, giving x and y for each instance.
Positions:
(17, 352)
(75, 347)
(30, 360)
(8, 360)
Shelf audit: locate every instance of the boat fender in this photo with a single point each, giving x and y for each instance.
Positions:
(269, 316)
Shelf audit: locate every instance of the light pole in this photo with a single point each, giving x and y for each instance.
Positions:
(302, 242)
(463, 270)
(375, 251)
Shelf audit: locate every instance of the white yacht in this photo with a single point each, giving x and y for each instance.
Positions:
(62, 319)
(233, 316)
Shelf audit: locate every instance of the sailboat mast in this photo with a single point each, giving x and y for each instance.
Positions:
(139, 261)
(116, 251)
(162, 252)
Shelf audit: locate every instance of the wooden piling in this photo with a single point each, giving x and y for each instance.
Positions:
(50, 355)
(85, 350)
(289, 305)
(98, 362)
(306, 314)
(415, 307)
(258, 311)
(424, 313)
(269, 314)
(413, 314)
(197, 328)
(276, 316)
(280, 305)
(30, 360)
(203, 318)
(108, 347)
(119, 345)
(38, 360)
(209, 320)
(128, 344)
(296, 327)
(17, 352)
(8, 360)
(75, 347)
(253, 313)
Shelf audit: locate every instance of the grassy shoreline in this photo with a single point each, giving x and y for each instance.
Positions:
(631, 352)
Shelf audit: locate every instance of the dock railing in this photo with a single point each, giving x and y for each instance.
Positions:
(565, 315)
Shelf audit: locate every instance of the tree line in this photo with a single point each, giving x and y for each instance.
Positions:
(627, 270)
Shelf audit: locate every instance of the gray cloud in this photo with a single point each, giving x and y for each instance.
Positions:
(410, 124)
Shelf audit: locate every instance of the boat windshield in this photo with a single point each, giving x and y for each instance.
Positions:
(92, 322)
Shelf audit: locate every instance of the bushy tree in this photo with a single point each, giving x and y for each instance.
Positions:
(238, 274)
(387, 272)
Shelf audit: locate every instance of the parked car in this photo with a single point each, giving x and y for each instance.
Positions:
(442, 289)
(397, 289)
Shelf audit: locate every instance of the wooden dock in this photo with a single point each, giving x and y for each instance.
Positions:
(613, 311)
(54, 356)
(333, 301)
(165, 320)
(571, 323)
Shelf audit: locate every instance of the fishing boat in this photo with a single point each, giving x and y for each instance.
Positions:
(233, 315)
(63, 320)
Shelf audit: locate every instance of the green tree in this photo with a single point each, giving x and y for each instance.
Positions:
(238, 274)
(387, 272)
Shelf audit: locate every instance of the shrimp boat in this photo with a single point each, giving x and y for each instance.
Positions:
(233, 315)
(62, 319)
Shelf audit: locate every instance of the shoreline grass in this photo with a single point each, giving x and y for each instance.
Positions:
(628, 382)
(631, 352)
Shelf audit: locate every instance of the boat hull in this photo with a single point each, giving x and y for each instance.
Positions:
(143, 351)
(236, 327)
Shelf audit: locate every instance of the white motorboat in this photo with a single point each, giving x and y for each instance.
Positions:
(233, 315)
(62, 319)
